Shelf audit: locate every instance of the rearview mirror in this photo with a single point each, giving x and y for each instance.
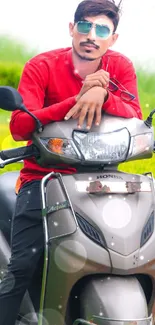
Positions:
(10, 99)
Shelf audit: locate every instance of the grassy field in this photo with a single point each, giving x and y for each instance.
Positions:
(10, 51)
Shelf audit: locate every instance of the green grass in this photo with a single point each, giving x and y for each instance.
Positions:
(146, 87)
(12, 51)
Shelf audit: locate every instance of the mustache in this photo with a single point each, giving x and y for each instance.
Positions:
(89, 43)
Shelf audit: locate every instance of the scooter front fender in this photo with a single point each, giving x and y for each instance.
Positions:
(113, 297)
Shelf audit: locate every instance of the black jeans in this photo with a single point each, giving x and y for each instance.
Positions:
(27, 247)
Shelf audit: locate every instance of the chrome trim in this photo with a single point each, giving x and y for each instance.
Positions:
(84, 322)
(45, 225)
(45, 267)
(124, 320)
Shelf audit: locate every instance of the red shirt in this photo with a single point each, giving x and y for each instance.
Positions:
(48, 86)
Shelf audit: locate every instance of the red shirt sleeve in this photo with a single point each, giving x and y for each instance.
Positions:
(114, 104)
(32, 87)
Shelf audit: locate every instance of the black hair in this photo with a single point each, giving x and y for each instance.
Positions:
(89, 8)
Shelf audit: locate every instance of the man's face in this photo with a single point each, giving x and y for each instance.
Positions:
(91, 46)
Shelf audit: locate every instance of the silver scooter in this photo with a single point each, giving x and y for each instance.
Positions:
(99, 257)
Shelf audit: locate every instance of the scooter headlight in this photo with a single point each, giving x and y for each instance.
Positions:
(111, 147)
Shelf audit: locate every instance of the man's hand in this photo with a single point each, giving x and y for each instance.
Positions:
(90, 105)
(98, 79)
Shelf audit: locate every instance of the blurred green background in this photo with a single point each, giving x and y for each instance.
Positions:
(13, 56)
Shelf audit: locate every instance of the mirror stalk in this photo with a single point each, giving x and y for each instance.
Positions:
(39, 125)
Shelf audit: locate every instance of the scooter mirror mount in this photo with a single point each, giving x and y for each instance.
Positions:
(11, 100)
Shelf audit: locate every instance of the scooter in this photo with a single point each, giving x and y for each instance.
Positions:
(99, 257)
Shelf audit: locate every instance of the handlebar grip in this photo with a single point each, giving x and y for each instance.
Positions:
(18, 152)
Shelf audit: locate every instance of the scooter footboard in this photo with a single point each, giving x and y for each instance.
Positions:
(111, 300)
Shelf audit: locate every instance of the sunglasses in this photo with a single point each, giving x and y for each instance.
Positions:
(115, 85)
(102, 31)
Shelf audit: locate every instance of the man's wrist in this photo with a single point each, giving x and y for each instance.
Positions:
(106, 95)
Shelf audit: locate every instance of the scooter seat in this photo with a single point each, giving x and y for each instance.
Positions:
(7, 201)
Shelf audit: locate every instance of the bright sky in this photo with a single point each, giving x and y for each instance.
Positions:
(44, 25)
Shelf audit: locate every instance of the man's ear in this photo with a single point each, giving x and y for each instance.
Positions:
(114, 39)
(71, 27)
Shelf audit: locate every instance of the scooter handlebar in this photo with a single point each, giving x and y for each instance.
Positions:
(19, 152)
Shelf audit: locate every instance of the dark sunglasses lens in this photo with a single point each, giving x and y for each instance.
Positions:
(84, 27)
(102, 31)
(127, 96)
(112, 86)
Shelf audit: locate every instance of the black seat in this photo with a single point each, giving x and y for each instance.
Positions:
(7, 201)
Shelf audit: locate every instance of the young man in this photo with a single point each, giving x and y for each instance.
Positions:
(80, 83)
